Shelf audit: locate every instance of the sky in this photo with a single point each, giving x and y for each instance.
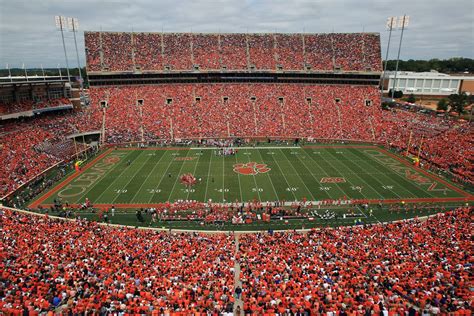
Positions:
(438, 28)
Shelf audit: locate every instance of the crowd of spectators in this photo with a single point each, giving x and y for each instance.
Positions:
(416, 267)
(183, 111)
(28, 105)
(240, 110)
(80, 266)
(269, 52)
(442, 143)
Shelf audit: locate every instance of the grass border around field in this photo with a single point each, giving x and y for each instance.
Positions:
(465, 196)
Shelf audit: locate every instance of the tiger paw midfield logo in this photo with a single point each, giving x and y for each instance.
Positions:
(251, 168)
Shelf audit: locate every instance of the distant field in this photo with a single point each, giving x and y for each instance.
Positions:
(313, 173)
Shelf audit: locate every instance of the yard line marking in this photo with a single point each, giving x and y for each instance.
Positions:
(62, 183)
(379, 181)
(176, 181)
(337, 186)
(293, 167)
(207, 182)
(112, 182)
(223, 178)
(360, 208)
(255, 181)
(248, 147)
(395, 174)
(342, 164)
(269, 178)
(146, 179)
(101, 178)
(132, 177)
(314, 174)
(194, 172)
(238, 177)
(164, 173)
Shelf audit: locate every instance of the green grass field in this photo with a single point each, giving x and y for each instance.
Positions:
(314, 173)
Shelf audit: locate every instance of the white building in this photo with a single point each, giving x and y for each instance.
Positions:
(425, 83)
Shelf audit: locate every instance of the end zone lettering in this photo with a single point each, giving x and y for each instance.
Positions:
(332, 180)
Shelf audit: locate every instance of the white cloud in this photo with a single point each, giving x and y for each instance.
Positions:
(438, 29)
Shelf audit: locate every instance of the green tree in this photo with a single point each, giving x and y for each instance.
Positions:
(458, 102)
(442, 105)
(411, 98)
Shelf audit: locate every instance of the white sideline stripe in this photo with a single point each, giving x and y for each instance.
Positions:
(212, 148)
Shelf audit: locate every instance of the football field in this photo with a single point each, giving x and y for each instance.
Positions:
(131, 177)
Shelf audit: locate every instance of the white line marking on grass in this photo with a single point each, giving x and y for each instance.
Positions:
(112, 182)
(291, 164)
(207, 182)
(146, 179)
(77, 201)
(341, 175)
(355, 174)
(132, 177)
(163, 176)
(176, 181)
(354, 155)
(281, 171)
(238, 177)
(194, 172)
(258, 148)
(223, 178)
(256, 185)
(314, 175)
(368, 216)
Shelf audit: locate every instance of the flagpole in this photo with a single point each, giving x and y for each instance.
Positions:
(26, 73)
(75, 148)
(419, 149)
(409, 141)
(84, 141)
(9, 73)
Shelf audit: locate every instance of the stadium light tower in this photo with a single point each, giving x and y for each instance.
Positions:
(73, 26)
(402, 23)
(61, 24)
(391, 23)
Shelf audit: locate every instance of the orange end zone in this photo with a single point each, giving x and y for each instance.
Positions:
(68, 180)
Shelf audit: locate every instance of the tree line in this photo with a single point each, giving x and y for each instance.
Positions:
(452, 65)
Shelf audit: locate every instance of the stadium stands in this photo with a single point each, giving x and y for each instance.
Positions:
(243, 110)
(21, 106)
(86, 267)
(77, 266)
(273, 110)
(126, 52)
(361, 270)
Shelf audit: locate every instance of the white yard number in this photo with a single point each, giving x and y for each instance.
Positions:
(189, 190)
(292, 189)
(271, 152)
(153, 191)
(356, 188)
(338, 152)
(198, 154)
(175, 154)
(120, 191)
(324, 188)
(151, 154)
(247, 153)
(222, 190)
(257, 190)
(294, 152)
(316, 152)
(387, 187)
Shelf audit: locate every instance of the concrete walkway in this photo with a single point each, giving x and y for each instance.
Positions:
(237, 282)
